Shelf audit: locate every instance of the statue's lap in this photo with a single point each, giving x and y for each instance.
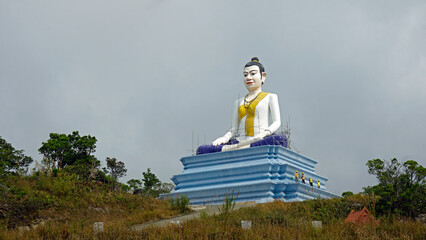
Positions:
(275, 139)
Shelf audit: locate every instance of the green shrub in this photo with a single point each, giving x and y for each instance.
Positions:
(180, 204)
(228, 203)
(55, 172)
(125, 187)
(347, 194)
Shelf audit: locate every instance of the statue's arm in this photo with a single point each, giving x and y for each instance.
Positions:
(234, 128)
(275, 115)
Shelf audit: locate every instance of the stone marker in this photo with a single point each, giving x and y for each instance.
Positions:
(98, 227)
(317, 224)
(175, 222)
(245, 224)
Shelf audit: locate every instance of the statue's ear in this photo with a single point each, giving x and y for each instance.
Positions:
(263, 77)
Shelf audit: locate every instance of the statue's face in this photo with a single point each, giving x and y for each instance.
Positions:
(252, 78)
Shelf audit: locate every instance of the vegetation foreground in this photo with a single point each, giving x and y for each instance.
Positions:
(70, 192)
(64, 207)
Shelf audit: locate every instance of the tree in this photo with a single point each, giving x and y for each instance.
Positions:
(71, 152)
(347, 194)
(402, 187)
(152, 186)
(149, 180)
(151, 183)
(134, 184)
(55, 149)
(117, 169)
(69, 149)
(12, 161)
(82, 148)
(165, 188)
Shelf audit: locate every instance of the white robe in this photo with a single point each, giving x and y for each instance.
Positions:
(268, 106)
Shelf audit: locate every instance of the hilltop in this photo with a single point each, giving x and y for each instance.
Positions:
(70, 192)
(70, 201)
(64, 207)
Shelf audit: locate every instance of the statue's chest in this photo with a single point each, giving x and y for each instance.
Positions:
(252, 110)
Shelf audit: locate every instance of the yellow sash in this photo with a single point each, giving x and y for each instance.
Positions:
(250, 112)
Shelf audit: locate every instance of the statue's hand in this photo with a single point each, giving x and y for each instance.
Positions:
(262, 135)
(230, 147)
(219, 141)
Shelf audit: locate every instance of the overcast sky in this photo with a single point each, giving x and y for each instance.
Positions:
(151, 79)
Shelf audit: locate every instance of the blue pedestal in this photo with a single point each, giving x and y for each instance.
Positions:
(260, 174)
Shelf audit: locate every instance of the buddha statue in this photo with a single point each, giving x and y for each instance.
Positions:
(251, 125)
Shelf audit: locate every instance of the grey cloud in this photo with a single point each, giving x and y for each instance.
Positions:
(151, 79)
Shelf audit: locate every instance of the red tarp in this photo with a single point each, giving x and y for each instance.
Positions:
(361, 216)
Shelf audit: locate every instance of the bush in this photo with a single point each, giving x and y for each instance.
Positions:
(347, 194)
(180, 204)
(228, 203)
(402, 187)
(19, 205)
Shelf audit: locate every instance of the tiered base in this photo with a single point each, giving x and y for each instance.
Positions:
(260, 174)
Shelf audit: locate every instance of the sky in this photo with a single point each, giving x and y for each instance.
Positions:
(153, 79)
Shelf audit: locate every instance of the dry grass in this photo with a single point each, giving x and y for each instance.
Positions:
(69, 208)
(65, 201)
(270, 221)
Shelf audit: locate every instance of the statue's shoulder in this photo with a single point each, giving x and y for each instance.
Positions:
(272, 98)
(269, 96)
(272, 95)
(239, 100)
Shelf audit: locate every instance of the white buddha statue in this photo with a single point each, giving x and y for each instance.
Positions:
(251, 116)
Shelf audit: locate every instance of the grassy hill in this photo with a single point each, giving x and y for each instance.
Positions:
(63, 201)
(65, 207)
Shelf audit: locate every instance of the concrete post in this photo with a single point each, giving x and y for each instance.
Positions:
(98, 227)
(246, 224)
(317, 224)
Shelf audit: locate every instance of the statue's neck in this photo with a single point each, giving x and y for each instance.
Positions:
(252, 94)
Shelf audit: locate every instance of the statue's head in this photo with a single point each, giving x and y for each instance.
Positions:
(254, 74)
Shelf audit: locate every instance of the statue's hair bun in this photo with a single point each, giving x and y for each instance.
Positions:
(255, 62)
